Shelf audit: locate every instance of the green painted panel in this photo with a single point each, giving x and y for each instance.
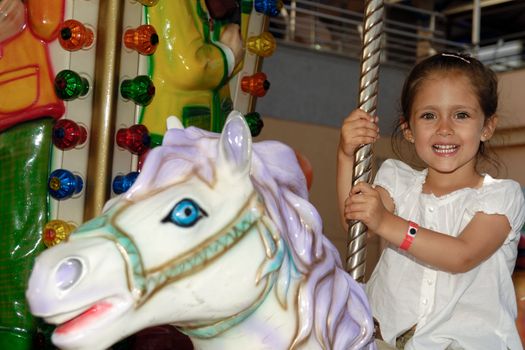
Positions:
(25, 152)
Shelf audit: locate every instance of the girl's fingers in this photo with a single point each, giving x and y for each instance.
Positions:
(357, 212)
(359, 113)
(353, 132)
(362, 140)
(362, 118)
(361, 187)
(361, 121)
(356, 114)
(360, 127)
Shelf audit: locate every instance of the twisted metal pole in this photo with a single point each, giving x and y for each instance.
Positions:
(372, 29)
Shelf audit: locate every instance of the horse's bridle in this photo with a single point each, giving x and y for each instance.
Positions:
(143, 284)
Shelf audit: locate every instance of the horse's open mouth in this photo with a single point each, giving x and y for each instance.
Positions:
(95, 312)
(92, 316)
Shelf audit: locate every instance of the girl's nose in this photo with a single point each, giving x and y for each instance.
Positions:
(444, 128)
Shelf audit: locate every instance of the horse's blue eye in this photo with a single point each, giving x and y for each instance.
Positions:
(185, 213)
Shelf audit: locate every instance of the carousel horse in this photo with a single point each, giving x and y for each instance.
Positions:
(216, 237)
(196, 56)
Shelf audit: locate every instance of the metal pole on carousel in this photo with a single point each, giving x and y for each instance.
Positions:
(369, 76)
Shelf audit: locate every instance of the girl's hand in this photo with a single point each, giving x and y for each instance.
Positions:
(358, 128)
(365, 204)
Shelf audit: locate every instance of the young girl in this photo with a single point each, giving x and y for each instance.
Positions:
(444, 280)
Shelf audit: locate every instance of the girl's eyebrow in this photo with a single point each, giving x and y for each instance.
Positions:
(424, 109)
(434, 107)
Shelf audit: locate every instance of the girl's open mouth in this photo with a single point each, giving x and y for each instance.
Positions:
(445, 149)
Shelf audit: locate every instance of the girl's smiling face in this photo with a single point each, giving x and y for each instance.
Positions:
(447, 123)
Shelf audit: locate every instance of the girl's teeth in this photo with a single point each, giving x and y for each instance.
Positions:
(445, 148)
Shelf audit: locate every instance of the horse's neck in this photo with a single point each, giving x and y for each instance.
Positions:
(269, 327)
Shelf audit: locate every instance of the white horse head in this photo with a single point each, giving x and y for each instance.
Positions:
(216, 237)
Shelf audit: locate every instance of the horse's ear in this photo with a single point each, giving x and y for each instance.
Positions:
(172, 122)
(235, 145)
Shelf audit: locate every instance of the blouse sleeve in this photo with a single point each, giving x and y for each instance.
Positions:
(504, 197)
(395, 177)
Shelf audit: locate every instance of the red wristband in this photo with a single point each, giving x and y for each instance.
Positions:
(409, 236)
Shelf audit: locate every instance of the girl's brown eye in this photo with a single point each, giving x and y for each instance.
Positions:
(462, 115)
(428, 116)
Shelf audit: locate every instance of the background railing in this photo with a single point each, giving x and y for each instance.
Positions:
(410, 33)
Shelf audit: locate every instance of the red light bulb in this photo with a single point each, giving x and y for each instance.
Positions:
(256, 85)
(67, 134)
(134, 139)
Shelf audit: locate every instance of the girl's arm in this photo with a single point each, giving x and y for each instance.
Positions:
(345, 168)
(357, 129)
(479, 239)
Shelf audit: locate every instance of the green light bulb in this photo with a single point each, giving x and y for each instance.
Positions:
(69, 85)
(140, 90)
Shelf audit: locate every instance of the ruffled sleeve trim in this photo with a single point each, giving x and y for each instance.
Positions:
(502, 197)
(397, 178)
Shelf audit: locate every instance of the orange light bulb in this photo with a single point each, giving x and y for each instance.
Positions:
(143, 39)
(75, 36)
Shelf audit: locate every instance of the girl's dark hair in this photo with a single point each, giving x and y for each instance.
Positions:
(484, 84)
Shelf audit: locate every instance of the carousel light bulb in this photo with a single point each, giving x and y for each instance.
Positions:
(56, 231)
(122, 183)
(270, 8)
(246, 6)
(67, 134)
(256, 85)
(63, 184)
(139, 89)
(254, 122)
(75, 36)
(148, 2)
(69, 85)
(135, 139)
(143, 39)
(262, 45)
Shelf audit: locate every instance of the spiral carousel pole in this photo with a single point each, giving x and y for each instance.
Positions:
(372, 28)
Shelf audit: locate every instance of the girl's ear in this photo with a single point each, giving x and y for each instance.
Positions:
(489, 128)
(407, 133)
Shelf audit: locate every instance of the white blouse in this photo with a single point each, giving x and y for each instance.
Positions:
(472, 310)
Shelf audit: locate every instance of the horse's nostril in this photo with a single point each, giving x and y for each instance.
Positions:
(68, 272)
